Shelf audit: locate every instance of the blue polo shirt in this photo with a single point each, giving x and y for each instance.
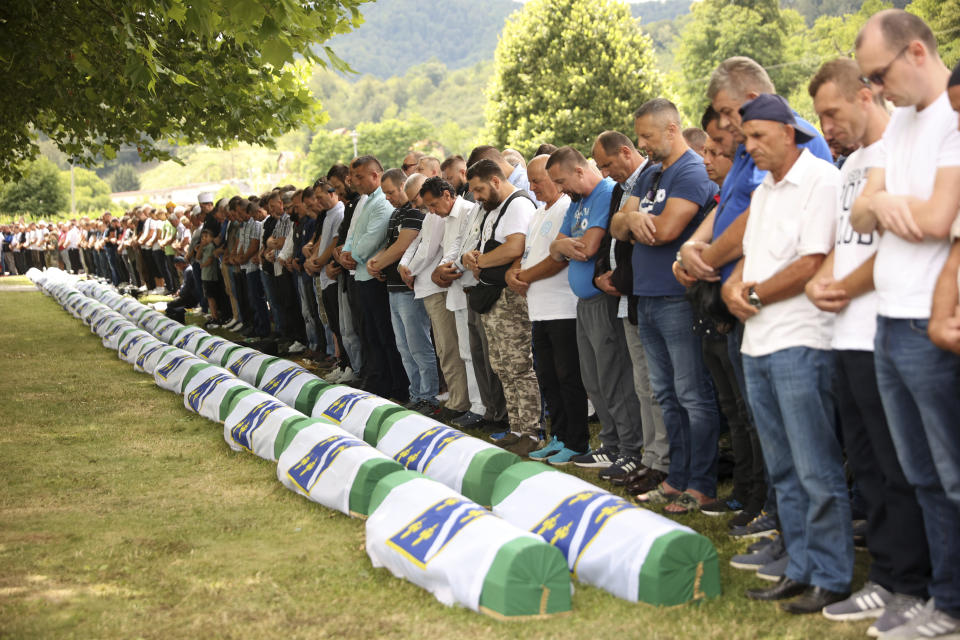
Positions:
(743, 178)
(591, 211)
(686, 179)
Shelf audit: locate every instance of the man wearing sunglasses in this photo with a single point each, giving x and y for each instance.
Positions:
(912, 199)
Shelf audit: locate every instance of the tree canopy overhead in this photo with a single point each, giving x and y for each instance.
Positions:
(565, 71)
(96, 74)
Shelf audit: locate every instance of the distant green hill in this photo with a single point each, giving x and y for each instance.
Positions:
(399, 34)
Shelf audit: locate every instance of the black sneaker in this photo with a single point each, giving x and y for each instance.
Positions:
(742, 519)
(596, 459)
(763, 525)
(620, 468)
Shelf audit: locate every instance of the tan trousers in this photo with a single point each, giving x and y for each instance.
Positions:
(444, 325)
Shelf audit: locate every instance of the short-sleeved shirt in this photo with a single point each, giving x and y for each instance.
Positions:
(208, 273)
(515, 219)
(685, 179)
(167, 231)
(855, 325)
(789, 219)
(743, 178)
(249, 232)
(549, 298)
(917, 143)
(405, 217)
(588, 212)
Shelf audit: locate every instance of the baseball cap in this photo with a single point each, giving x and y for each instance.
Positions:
(770, 106)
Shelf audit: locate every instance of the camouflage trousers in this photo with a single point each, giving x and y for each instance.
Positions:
(507, 326)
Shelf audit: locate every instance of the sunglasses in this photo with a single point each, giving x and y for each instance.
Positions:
(877, 77)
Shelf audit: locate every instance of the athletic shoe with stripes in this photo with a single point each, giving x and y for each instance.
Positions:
(598, 458)
(868, 602)
(899, 611)
(929, 622)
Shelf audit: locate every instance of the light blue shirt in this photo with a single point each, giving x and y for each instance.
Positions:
(369, 232)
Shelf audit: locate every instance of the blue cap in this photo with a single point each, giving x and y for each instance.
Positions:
(770, 106)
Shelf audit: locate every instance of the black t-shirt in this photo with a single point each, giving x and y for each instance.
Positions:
(405, 217)
(348, 208)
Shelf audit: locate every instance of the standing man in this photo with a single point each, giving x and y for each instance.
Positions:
(913, 198)
(605, 366)
(666, 206)
(853, 116)
(385, 374)
(617, 158)
(448, 313)
(786, 354)
(503, 232)
(552, 308)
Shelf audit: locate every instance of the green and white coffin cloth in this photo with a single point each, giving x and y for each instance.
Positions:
(111, 337)
(467, 465)
(254, 422)
(246, 363)
(429, 534)
(130, 344)
(190, 338)
(357, 412)
(166, 331)
(172, 368)
(150, 354)
(329, 466)
(285, 380)
(205, 389)
(216, 350)
(608, 542)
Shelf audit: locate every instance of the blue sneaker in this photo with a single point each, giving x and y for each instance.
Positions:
(552, 446)
(562, 457)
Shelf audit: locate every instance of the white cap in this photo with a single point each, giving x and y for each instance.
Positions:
(205, 197)
(178, 210)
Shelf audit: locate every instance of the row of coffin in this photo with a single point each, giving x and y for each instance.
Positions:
(424, 487)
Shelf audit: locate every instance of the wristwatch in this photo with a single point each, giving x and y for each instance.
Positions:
(753, 298)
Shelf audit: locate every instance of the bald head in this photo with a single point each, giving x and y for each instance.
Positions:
(412, 188)
(897, 29)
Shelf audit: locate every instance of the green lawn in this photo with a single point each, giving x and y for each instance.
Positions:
(123, 515)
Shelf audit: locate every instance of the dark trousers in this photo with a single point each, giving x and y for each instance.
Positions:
(170, 269)
(112, 266)
(198, 283)
(257, 304)
(896, 536)
(558, 370)
(734, 341)
(289, 304)
(491, 389)
(19, 263)
(75, 264)
(386, 376)
(749, 486)
(160, 266)
(331, 305)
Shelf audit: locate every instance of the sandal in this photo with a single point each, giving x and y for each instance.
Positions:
(657, 496)
(682, 504)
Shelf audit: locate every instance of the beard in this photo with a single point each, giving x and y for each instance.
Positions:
(575, 197)
(491, 204)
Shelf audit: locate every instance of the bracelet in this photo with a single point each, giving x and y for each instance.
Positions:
(679, 261)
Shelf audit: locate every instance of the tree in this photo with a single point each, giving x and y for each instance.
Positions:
(565, 70)
(125, 178)
(99, 74)
(389, 140)
(92, 195)
(720, 29)
(943, 16)
(327, 149)
(39, 191)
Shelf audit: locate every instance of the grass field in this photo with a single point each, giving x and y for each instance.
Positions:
(123, 515)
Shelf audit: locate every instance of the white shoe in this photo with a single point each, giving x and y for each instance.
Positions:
(233, 325)
(296, 347)
(334, 375)
(347, 377)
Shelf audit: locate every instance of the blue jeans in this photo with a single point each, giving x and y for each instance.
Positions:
(682, 386)
(790, 392)
(920, 390)
(411, 328)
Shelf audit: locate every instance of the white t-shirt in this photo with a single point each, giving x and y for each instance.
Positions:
(856, 325)
(516, 219)
(954, 236)
(331, 222)
(550, 298)
(917, 144)
(790, 219)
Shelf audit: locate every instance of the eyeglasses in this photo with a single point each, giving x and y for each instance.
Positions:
(876, 78)
(408, 166)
